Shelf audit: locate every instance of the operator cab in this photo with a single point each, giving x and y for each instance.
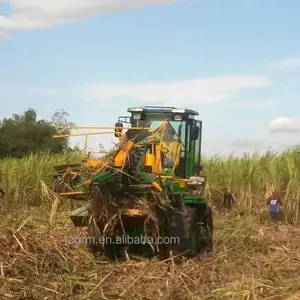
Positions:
(184, 125)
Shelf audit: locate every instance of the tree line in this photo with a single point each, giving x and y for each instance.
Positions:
(23, 134)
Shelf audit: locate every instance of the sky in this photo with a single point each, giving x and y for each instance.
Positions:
(236, 62)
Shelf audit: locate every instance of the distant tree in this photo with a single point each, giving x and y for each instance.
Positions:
(24, 134)
(60, 119)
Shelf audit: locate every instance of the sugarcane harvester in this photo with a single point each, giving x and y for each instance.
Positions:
(148, 187)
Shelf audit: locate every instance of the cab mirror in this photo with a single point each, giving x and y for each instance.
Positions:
(195, 132)
(118, 130)
(180, 130)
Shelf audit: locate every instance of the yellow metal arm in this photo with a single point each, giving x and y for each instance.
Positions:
(102, 127)
(81, 134)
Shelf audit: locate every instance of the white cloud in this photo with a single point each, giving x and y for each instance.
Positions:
(35, 14)
(286, 63)
(3, 34)
(283, 124)
(248, 143)
(242, 145)
(238, 147)
(8, 89)
(178, 93)
(249, 104)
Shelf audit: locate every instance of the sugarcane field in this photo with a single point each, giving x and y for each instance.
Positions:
(77, 226)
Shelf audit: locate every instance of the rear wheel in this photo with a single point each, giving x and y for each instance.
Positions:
(192, 230)
(184, 233)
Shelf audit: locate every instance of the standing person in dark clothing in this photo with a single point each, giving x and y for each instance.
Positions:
(228, 200)
(273, 202)
(2, 193)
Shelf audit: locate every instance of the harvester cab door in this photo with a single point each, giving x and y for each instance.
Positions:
(197, 150)
(194, 148)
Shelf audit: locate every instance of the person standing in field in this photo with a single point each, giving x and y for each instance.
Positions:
(228, 200)
(2, 193)
(273, 202)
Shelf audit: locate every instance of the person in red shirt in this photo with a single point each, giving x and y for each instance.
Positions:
(273, 202)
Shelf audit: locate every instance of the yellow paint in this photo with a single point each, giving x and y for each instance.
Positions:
(158, 166)
(150, 160)
(72, 173)
(85, 143)
(92, 163)
(157, 186)
(61, 136)
(71, 193)
(101, 127)
(174, 148)
(133, 212)
(87, 182)
(120, 157)
(182, 184)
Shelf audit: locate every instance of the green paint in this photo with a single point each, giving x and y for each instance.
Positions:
(191, 200)
(103, 176)
(176, 188)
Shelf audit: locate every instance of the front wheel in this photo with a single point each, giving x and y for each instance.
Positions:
(183, 231)
(192, 230)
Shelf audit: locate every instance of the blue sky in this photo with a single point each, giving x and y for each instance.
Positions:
(236, 62)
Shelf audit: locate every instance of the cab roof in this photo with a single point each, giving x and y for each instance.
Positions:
(162, 109)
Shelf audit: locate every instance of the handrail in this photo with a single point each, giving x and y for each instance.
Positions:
(103, 127)
(61, 136)
(86, 135)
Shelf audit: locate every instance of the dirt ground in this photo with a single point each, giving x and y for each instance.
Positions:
(251, 260)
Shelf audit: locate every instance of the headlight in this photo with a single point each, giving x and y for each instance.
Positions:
(137, 116)
(136, 109)
(177, 117)
(178, 111)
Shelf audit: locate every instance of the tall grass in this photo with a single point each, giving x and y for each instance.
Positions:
(253, 178)
(250, 178)
(27, 181)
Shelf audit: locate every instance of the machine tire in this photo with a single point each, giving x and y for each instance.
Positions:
(110, 251)
(209, 227)
(183, 225)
